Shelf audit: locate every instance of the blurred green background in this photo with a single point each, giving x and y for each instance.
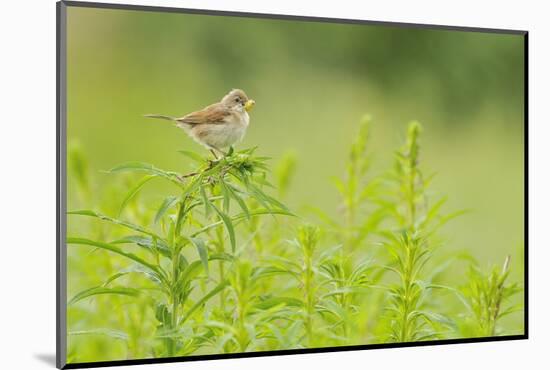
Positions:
(312, 83)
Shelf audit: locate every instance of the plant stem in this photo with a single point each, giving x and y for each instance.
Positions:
(221, 270)
(407, 278)
(174, 293)
(310, 298)
(222, 293)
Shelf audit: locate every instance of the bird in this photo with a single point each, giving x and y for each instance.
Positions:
(219, 125)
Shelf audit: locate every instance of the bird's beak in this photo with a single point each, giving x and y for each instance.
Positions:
(249, 105)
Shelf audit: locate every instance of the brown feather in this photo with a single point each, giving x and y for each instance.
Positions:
(213, 114)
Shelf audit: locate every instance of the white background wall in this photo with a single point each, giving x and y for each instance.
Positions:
(27, 182)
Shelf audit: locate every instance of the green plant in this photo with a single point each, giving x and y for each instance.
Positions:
(253, 322)
(305, 275)
(485, 296)
(176, 277)
(201, 269)
(361, 215)
(411, 247)
(308, 238)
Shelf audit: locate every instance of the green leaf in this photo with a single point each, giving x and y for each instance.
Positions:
(135, 166)
(116, 334)
(228, 225)
(271, 302)
(125, 224)
(190, 272)
(434, 209)
(103, 290)
(114, 277)
(206, 202)
(510, 310)
(149, 168)
(205, 298)
(114, 249)
(193, 185)
(146, 243)
(260, 194)
(239, 200)
(243, 216)
(223, 326)
(192, 155)
(202, 250)
(133, 269)
(221, 257)
(262, 181)
(133, 191)
(346, 290)
(448, 217)
(226, 196)
(441, 319)
(162, 314)
(168, 203)
(139, 269)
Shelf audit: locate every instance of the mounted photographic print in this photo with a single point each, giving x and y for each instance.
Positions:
(234, 184)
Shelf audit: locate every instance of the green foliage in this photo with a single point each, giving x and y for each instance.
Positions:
(202, 269)
(487, 296)
(236, 177)
(410, 321)
(357, 193)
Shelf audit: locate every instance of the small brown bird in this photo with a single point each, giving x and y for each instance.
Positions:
(218, 125)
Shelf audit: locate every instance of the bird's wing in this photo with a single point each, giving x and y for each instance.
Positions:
(213, 114)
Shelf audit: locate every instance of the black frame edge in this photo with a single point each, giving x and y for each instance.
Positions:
(302, 351)
(526, 184)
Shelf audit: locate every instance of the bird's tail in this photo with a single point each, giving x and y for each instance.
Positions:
(160, 116)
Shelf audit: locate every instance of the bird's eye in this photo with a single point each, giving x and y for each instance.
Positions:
(237, 99)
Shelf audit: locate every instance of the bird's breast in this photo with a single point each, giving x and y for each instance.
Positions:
(245, 118)
(220, 135)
